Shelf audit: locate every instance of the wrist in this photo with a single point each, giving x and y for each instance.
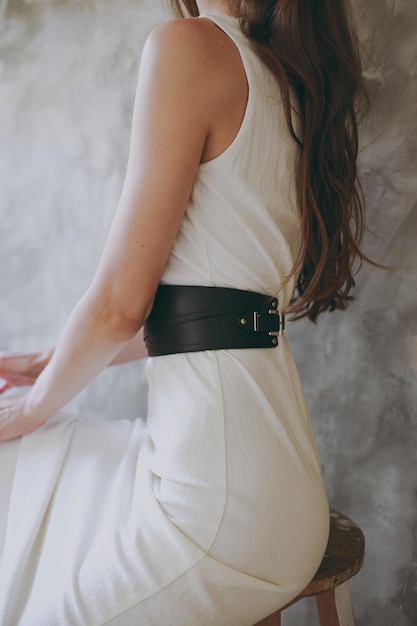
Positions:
(33, 408)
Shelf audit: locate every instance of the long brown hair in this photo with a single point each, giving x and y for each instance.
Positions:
(312, 49)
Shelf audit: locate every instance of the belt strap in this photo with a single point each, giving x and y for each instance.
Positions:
(188, 318)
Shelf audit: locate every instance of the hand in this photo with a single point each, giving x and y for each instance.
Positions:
(15, 417)
(21, 370)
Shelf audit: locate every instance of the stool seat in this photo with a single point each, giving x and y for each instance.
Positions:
(343, 557)
(342, 560)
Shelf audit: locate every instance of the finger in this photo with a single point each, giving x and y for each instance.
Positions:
(4, 386)
(8, 356)
(15, 362)
(16, 380)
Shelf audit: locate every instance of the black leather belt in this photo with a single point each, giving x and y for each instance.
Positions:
(188, 318)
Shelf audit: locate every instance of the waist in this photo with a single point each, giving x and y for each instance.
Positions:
(188, 318)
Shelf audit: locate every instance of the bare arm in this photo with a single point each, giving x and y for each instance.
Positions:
(169, 131)
(22, 369)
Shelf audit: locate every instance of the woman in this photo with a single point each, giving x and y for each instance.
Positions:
(241, 179)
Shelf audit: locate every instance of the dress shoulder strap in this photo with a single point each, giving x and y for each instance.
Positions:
(229, 25)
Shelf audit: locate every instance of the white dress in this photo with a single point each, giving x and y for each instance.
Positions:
(213, 513)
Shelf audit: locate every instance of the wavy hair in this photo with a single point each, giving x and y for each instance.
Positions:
(312, 49)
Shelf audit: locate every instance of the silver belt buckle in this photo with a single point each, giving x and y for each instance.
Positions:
(281, 322)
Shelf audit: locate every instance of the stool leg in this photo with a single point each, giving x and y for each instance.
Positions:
(335, 607)
(272, 620)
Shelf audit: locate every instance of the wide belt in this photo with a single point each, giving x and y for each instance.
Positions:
(188, 318)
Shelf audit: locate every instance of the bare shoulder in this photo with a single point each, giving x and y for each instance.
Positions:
(187, 33)
(195, 67)
(192, 44)
(179, 26)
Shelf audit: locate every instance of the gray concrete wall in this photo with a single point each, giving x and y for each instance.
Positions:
(67, 79)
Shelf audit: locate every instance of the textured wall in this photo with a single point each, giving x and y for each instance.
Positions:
(67, 79)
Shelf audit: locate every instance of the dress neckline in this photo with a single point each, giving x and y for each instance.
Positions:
(226, 15)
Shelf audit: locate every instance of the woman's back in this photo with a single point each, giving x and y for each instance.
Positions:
(242, 225)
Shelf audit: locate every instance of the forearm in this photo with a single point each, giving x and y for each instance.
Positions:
(134, 350)
(87, 345)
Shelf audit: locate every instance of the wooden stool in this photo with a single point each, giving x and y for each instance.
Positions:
(342, 560)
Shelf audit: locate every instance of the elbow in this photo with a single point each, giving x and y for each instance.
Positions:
(117, 320)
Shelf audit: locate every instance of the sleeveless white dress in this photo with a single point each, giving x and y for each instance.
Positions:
(213, 513)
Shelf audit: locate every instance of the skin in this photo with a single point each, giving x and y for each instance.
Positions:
(190, 101)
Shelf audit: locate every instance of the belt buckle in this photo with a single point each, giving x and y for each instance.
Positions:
(281, 322)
